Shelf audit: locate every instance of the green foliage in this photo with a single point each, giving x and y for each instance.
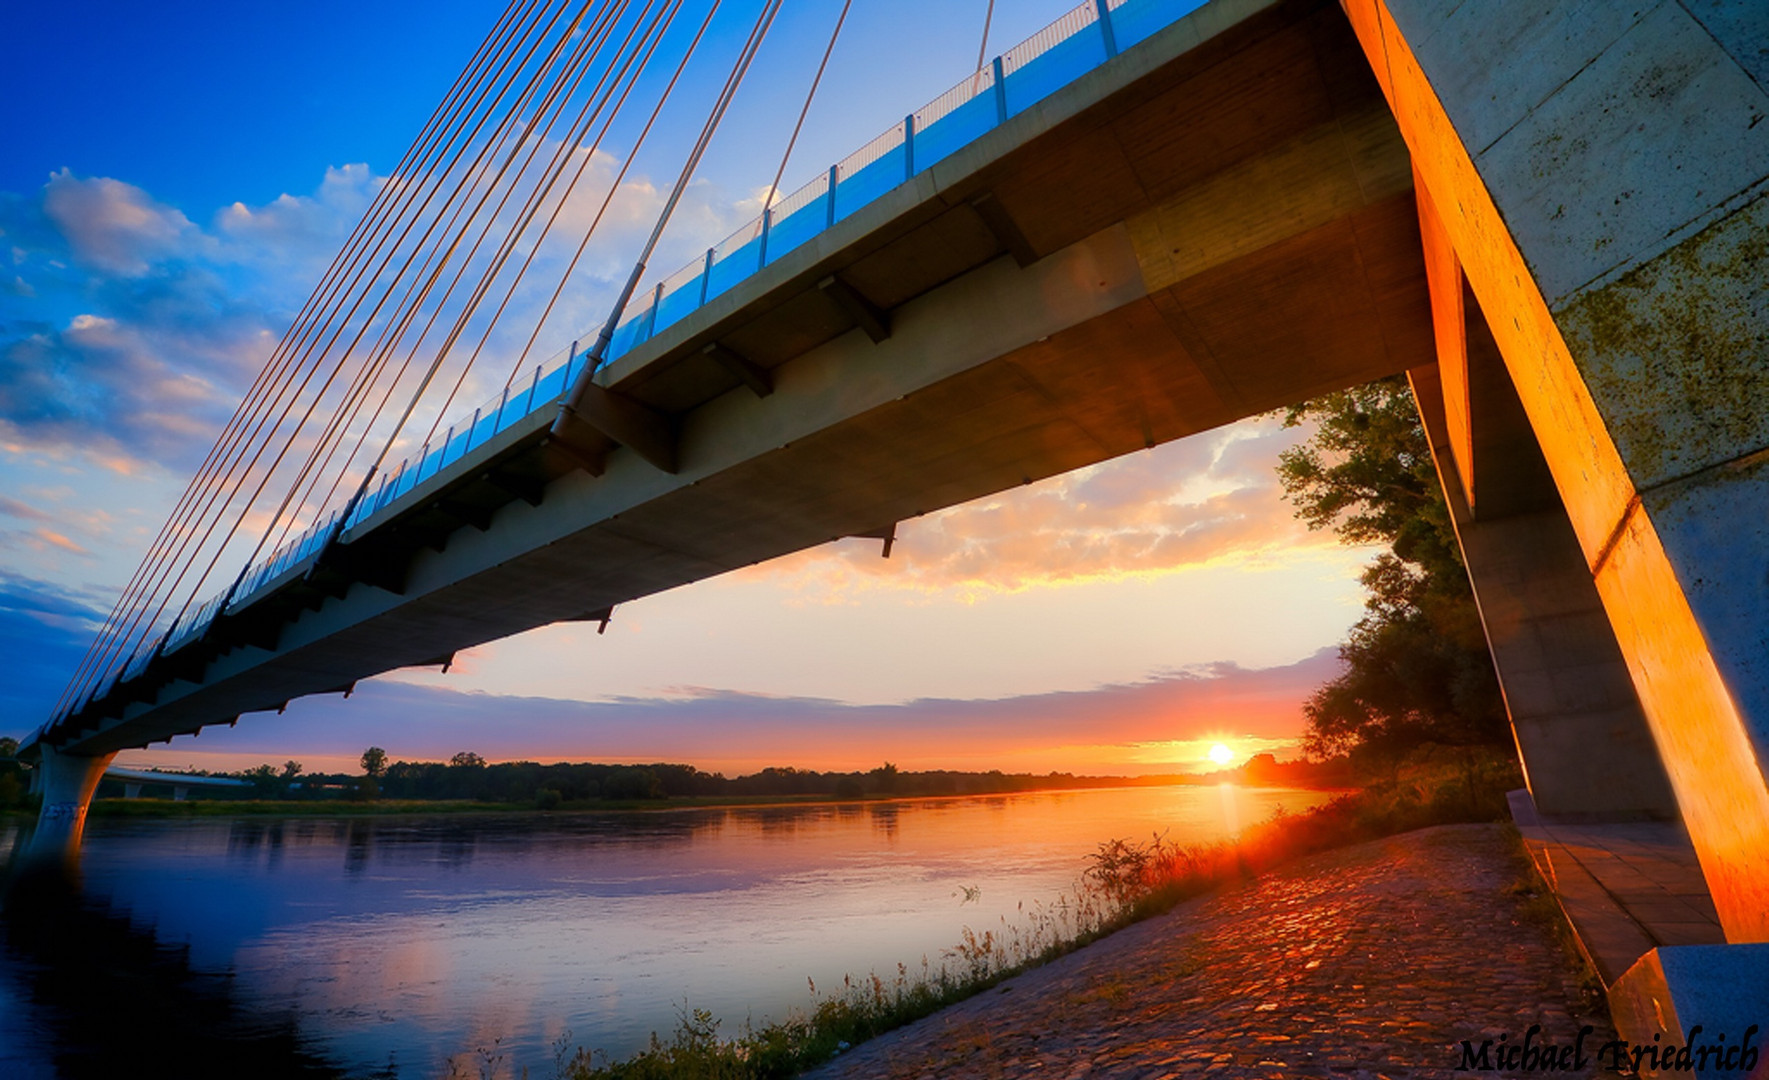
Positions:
(8, 747)
(1418, 669)
(462, 784)
(374, 762)
(266, 784)
(884, 778)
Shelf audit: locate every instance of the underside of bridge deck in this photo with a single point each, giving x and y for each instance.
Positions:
(1219, 222)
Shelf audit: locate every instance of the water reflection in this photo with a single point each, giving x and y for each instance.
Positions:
(422, 938)
(95, 995)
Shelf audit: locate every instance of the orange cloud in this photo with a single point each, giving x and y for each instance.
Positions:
(1134, 728)
(1195, 502)
(49, 536)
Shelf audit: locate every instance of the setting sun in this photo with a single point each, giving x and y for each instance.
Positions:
(1221, 754)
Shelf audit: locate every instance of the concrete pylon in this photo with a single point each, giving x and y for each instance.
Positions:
(1607, 197)
(66, 783)
(1588, 754)
(1609, 203)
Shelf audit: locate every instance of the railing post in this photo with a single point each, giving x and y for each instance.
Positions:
(651, 319)
(1105, 28)
(767, 223)
(535, 385)
(706, 277)
(909, 147)
(1000, 93)
(833, 178)
(472, 430)
(503, 403)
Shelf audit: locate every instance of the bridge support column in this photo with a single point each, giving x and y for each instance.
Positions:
(67, 783)
(1583, 739)
(1609, 200)
(1610, 209)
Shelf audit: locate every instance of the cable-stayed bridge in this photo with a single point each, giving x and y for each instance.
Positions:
(1145, 222)
(734, 415)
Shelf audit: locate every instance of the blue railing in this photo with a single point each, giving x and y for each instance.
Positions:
(1049, 60)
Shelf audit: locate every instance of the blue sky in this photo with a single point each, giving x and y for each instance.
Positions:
(177, 177)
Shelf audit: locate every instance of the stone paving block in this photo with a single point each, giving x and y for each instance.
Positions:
(1377, 960)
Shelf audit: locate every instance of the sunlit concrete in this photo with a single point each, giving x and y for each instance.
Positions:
(65, 782)
(1605, 201)
(1582, 737)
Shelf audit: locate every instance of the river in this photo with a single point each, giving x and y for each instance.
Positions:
(403, 947)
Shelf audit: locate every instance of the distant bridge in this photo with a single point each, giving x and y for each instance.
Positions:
(180, 783)
(1150, 223)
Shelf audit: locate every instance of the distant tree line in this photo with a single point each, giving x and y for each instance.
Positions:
(467, 777)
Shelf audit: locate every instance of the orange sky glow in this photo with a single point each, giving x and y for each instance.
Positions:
(1118, 620)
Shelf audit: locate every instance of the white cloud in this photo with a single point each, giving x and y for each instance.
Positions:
(115, 227)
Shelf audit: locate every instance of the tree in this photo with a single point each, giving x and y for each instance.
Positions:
(884, 778)
(1417, 665)
(8, 746)
(374, 762)
(265, 782)
(291, 769)
(467, 759)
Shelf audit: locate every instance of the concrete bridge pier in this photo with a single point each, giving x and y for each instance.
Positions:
(66, 782)
(1587, 752)
(1607, 201)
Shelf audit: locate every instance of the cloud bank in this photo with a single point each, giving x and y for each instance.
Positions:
(1125, 729)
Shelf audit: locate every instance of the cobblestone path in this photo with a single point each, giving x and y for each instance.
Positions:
(1372, 961)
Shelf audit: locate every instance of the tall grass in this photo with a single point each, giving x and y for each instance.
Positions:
(1125, 881)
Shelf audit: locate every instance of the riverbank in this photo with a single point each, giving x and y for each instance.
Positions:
(1381, 958)
(1128, 882)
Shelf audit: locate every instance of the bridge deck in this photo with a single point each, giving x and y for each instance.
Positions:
(1215, 223)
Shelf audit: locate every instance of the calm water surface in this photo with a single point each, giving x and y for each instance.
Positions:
(393, 946)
